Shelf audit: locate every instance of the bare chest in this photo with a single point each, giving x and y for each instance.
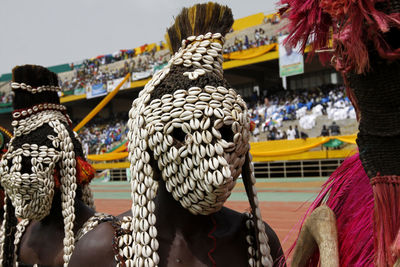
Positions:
(203, 251)
(43, 247)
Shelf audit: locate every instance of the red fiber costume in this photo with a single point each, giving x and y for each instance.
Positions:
(360, 38)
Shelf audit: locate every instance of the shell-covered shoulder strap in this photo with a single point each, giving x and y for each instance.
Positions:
(92, 222)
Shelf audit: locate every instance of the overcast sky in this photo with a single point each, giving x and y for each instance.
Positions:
(52, 32)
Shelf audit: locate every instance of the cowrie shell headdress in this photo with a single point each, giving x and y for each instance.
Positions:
(198, 137)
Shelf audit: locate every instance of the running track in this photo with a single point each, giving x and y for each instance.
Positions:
(283, 202)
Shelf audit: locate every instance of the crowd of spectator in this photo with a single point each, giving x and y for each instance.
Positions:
(302, 106)
(103, 135)
(122, 54)
(275, 19)
(91, 70)
(259, 39)
(332, 130)
(91, 73)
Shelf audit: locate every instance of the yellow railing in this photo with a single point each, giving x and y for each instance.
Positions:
(298, 149)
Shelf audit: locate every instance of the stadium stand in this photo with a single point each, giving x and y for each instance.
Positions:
(250, 52)
(309, 110)
(254, 36)
(302, 108)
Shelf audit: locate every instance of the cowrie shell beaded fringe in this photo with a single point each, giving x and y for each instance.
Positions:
(202, 171)
(34, 90)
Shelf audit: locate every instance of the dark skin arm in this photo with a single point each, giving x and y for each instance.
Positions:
(42, 241)
(95, 248)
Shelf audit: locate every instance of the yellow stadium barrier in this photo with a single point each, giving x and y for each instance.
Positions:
(248, 22)
(308, 155)
(290, 147)
(108, 156)
(111, 165)
(70, 98)
(350, 139)
(272, 150)
(140, 83)
(250, 53)
(120, 149)
(285, 147)
(244, 62)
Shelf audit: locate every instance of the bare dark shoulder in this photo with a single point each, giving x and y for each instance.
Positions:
(230, 221)
(235, 225)
(95, 248)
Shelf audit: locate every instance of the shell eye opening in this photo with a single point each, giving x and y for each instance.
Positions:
(178, 135)
(226, 133)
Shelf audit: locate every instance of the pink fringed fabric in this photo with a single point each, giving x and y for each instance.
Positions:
(386, 218)
(352, 24)
(396, 245)
(349, 194)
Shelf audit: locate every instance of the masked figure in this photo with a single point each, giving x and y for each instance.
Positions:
(46, 182)
(188, 144)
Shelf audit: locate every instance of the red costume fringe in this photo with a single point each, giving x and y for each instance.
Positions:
(349, 194)
(84, 173)
(386, 219)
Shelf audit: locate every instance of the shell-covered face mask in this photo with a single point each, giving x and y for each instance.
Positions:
(27, 173)
(199, 137)
(31, 194)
